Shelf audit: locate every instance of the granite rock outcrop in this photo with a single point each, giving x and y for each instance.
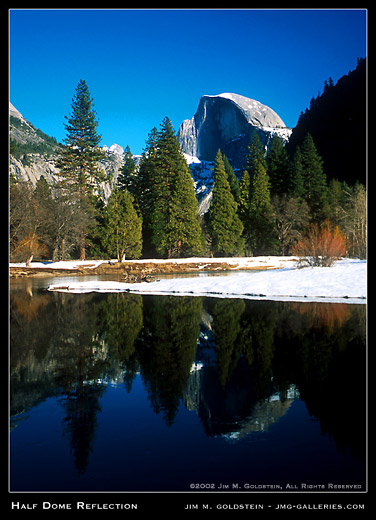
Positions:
(227, 122)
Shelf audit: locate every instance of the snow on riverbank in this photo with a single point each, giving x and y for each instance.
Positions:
(63, 264)
(236, 262)
(346, 281)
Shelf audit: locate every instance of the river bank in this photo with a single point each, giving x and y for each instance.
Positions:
(139, 269)
(345, 282)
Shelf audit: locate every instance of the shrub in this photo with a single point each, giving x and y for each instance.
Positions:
(321, 246)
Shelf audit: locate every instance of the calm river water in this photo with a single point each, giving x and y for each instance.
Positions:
(123, 392)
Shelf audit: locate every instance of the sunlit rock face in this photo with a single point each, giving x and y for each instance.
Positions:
(227, 122)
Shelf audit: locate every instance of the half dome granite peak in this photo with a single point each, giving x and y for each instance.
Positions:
(227, 121)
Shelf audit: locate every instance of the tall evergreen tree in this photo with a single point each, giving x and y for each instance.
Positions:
(244, 208)
(128, 173)
(262, 231)
(315, 185)
(174, 220)
(122, 226)
(225, 224)
(297, 179)
(256, 155)
(338, 193)
(278, 167)
(232, 179)
(142, 188)
(144, 180)
(78, 158)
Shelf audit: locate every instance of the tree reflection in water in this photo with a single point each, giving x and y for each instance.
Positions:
(232, 361)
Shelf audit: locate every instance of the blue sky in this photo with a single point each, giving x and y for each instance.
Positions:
(143, 65)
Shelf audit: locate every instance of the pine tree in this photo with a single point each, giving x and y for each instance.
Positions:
(174, 221)
(278, 167)
(244, 205)
(122, 226)
(142, 189)
(144, 180)
(127, 178)
(232, 179)
(256, 155)
(225, 224)
(189, 240)
(78, 158)
(337, 198)
(315, 184)
(42, 192)
(297, 180)
(262, 231)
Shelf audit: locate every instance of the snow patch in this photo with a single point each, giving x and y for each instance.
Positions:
(191, 159)
(63, 264)
(345, 282)
(114, 148)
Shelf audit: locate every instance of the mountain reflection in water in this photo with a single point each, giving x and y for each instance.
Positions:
(237, 364)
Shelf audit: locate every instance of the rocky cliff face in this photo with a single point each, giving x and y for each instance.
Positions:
(28, 166)
(227, 122)
(36, 166)
(32, 152)
(39, 165)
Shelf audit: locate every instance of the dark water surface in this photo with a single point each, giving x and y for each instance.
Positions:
(123, 392)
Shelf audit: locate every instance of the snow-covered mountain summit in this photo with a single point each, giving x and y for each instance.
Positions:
(256, 113)
(227, 121)
(114, 148)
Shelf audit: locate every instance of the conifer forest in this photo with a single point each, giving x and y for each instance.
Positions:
(272, 207)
